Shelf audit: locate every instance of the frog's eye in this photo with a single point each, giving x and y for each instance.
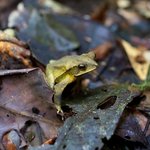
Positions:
(82, 66)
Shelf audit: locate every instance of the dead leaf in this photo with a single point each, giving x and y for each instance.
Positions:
(141, 69)
(147, 56)
(123, 3)
(131, 16)
(99, 13)
(141, 42)
(5, 8)
(26, 103)
(131, 127)
(50, 141)
(102, 50)
(44, 45)
(143, 8)
(92, 122)
(9, 145)
(13, 52)
(11, 140)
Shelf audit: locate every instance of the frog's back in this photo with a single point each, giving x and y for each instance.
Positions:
(64, 63)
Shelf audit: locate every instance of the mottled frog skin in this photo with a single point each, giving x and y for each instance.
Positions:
(61, 72)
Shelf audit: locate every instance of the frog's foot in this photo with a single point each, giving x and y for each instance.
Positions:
(60, 111)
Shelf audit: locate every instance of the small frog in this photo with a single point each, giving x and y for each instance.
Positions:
(60, 73)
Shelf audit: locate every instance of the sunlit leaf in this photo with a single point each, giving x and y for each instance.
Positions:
(139, 66)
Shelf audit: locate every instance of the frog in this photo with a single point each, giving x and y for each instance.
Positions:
(61, 72)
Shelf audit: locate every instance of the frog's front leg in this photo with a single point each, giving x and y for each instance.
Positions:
(58, 89)
(57, 98)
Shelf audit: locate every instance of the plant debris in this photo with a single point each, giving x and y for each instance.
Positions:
(139, 64)
(105, 109)
(92, 124)
(21, 94)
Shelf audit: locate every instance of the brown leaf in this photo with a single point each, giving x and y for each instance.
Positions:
(11, 140)
(99, 13)
(25, 101)
(141, 42)
(13, 49)
(134, 55)
(93, 121)
(146, 102)
(9, 145)
(131, 126)
(102, 50)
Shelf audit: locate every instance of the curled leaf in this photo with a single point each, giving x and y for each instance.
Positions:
(139, 64)
(10, 47)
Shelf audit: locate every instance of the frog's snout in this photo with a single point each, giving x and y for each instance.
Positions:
(94, 64)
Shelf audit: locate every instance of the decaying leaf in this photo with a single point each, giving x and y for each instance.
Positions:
(103, 50)
(89, 33)
(52, 5)
(139, 64)
(26, 106)
(13, 53)
(147, 56)
(12, 140)
(95, 119)
(132, 129)
(141, 42)
(57, 39)
(143, 8)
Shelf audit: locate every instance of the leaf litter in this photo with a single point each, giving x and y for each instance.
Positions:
(25, 99)
(92, 124)
(33, 106)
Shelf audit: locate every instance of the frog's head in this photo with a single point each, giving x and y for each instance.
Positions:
(85, 63)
